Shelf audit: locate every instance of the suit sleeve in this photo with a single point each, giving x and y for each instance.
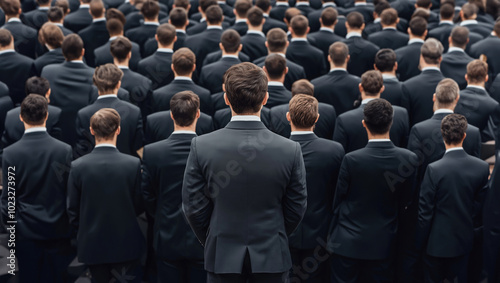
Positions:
(426, 208)
(139, 133)
(405, 100)
(342, 184)
(4, 197)
(56, 131)
(339, 134)
(196, 205)
(137, 196)
(149, 187)
(479, 197)
(295, 199)
(84, 140)
(74, 197)
(414, 143)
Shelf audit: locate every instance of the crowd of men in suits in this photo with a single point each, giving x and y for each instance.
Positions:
(256, 141)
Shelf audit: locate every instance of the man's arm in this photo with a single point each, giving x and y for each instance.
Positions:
(426, 208)
(149, 188)
(295, 199)
(74, 196)
(339, 135)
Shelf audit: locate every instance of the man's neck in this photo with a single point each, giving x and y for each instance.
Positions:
(214, 25)
(391, 26)
(349, 30)
(27, 126)
(98, 18)
(450, 146)
(59, 23)
(155, 20)
(112, 142)
(254, 28)
(476, 84)
(121, 64)
(190, 75)
(365, 96)
(224, 53)
(7, 18)
(295, 129)
(332, 66)
(424, 65)
(171, 46)
(451, 45)
(412, 36)
(113, 35)
(280, 80)
(391, 73)
(191, 128)
(379, 137)
(302, 36)
(7, 48)
(245, 114)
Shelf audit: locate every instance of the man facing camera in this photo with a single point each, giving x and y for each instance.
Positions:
(104, 198)
(244, 188)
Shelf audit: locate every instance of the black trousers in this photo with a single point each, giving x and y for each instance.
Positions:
(438, 269)
(309, 266)
(181, 271)
(350, 270)
(44, 261)
(129, 272)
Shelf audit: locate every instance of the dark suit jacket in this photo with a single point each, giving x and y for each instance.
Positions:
(202, 26)
(93, 36)
(140, 89)
(442, 33)
(454, 66)
(389, 38)
(163, 167)
(322, 159)
(277, 95)
(481, 28)
(162, 96)
(337, 88)
(78, 20)
(126, 8)
(222, 117)
(271, 23)
(295, 71)
(450, 198)
(5, 105)
(203, 43)
(217, 55)
(309, 57)
(408, 60)
(157, 68)
(366, 208)
(103, 201)
(40, 166)
(322, 39)
(131, 137)
(278, 12)
(314, 16)
(374, 27)
(15, 69)
(141, 34)
(393, 91)
(25, 38)
(254, 45)
(103, 55)
(240, 27)
(417, 95)
(53, 57)
(324, 128)
(64, 30)
(305, 9)
(488, 47)
(405, 8)
(494, 89)
(160, 126)
(491, 210)
(365, 10)
(211, 75)
(248, 213)
(71, 90)
(35, 18)
(362, 55)
(351, 134)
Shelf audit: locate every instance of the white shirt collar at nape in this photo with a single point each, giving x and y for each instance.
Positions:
(443, 111)
(301, 133)
(106, 96)
(454, 149)
(35, 129)
(245, 118)
(105, 145)
(184, 132)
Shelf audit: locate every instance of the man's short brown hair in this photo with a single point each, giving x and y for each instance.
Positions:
(11, 7)
(178, 17)
(423, 3)
(303, 111)
(302, 86)
(34, 109)
(447, 11)
(204, 4)
(418, 26)
(63, 4)
(183, 60)
(431, 51)
(453, 128)
(96, 8)
(150, 9)
(329, 16)
(120, 48)
(447, 92)
(51, 34)
(338, 52)
(290, 13)
(469, 10)
(214, 15)
(385, 59)
(263, 4)
(242, 7)
(355, 20)
(246, 87)
(55, 14)
(5, 37)
(181, 4)
(389, 17)
(184, 106)
(104, 123)
(230, 40)
(107, 77)
(166, 34)
(72, 47)
(477, 71)
(114, 27)
(255, 16)
(275, 66)
(372, 82)
(276, 40)
(299, 25)
(378, 116)
(460, 36)
(114, 13)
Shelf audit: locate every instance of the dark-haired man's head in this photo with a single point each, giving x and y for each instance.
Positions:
(11, 8)
(50, 35)
(183, 62)
(166, 36)
(114, 27)
(255, 19)
(241, 8)
(214, 15)
(6, 40)
(389, 18)
(184, 4)
(378, 115)
(55, 15)
(459, 37)
(105, 125)
(276, 41)
(43, 3)
(34, 111)
(230, 42)
(245, 87)
(385, 61)
(425, 4)
(185, 110)
(97, 9)
(264, 5)
(496, 28)
(299, 26)
(447, 12)
(204, 4)
(275, 67)
(468, 12)
(417, 28)
(150, 10)
(354, 22)
(38, 85)
(121, 50)
(107, 78)
(453, 128)
(114, 13)
(303, 112)
(477, 73)
(290, 13)
(372, 84)
(64, 5)
(431, 53)
(72, 47)
(302, 86)
(447, 95)
(328, 17)
(338, 55)
(178, 18)
(380, 7)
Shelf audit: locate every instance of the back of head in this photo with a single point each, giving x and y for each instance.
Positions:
(10, 7)
(242, 7)
(184, 107)
(381, 6)
(275, 66)
(389, 17)
(182, 4)
(290, 13)
(338, 52)
(372, 82)
(378, 116)
(166, 34)
(355, 20)
(37, 85)
(431, 51)
(114, 27)
(255, 16)
(214, 15)
(263, 4)
(120, 48)
(418, 26)
(447, 92)
(51, 35)
(460, 36)
(423, 3)
(72, 47)
(97, 8)
(178, 17)
(34, 109)
(480, 4)
(230, 40)
(55, 14)
(421, 12)
(88, 1)
(204, 4)
(303, 111)
(385, 59)
(469, 10)
(106, 78)
(276, 40)
(329, 16)
(63, 4)
(183, 61)
(453, 128)
(5, 38)
(104, 123)
(299, 25)
(447, 11)
(246, 87)
(115, 14)
(150, 9)
(477, 71)
(302, 86)
(43, 2)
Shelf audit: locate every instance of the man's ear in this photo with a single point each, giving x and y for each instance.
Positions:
(21, 118)
(92, 131)
(288, 117)
(226, 100)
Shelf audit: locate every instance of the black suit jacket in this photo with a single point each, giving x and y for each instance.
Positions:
(254, 45)
(162, 96)
(408, 60)
(78, 20)
(103, 55)
(25, 38)
(15, 69)
(277, 95)
(305, 9)
(222, 117)
(374, 27)
(53, 57)
(131, 137)
(450, 200)
(324, 128)
(322, 39)
(71, 90)
(494, 89)
(362, 55)
(322, 159)
(35, 18)
(271, 23)
(140, 90)
(393, 91)
(160, 126)
(203, 43)
(365, 10)
(442, 33)
(240, 27)
(157, 68)
(247, 213)
(211, 74)
(481, 28)
(454, 66)
(417, 95)
(93, 36)
(488, 47)
(40, 167)
(366, 208)
(389, 38)
(314, 16)
(64, 30)
(96, 184)
(405, 8)
(278, 12)
(337, 88)
(309, 57)
(151, 45)
(351, 134)
(5, 105)
(163, 167)
(295, 71)
(491, 210)
(126, 8)
(217, 55)
(141, 34)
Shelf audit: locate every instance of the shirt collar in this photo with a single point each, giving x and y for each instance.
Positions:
(476, 87)
(58, 24)
(446, 23)
(453, 48)
(366, 100)
(165, 50)
(377, 20)
(221, 2)
(443, 111)
(302, 4)
(328, 4)
(387, 76)
(7, 51)
(123, 67)
(99, 20)
(282, 4)
(151, 23)
(184, 132)
(14, 20)
(391, 28)
(182, 78)
(245, 118)
(379, 140)
(230, 56)
(360, 4)
(106, 96)
(353, 34)
(105, 145)
(431, 68)
(240, 21)
(43, 8)
(301, 133)
(214, 27)
(113, 38)
(326, 29)
(84, 6)
(299, 39)
(180, 30)
(338, 69)
(76, 61)
(415, 40)
(256, 32)
(35, 129)
(468, 22)
(454, 149)
(274, 83)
